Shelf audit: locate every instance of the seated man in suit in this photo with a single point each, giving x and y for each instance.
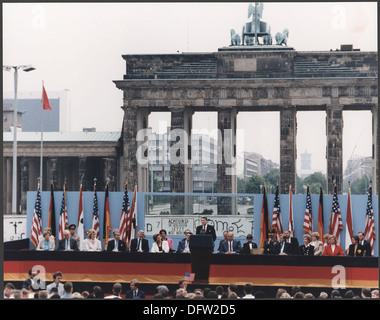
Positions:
(183, 245)
(248, 245)
(116, 244)
(231, 246)
(205, 228)
(67, 243)
(139, 244)
(225, 232)
(282, 247)
(135, 292)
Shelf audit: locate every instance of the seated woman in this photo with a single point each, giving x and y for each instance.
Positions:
(164, 238)
(47, 242)
(306, 249)
(355, 249)
(333, 249)
(158, 245)
(92, 243)
(318, 245)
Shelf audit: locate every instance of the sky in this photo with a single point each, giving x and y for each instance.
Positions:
(79, 46)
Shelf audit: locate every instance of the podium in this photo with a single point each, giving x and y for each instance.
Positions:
(201, 248)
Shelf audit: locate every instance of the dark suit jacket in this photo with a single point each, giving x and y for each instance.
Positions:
(28, 282)
(144, 245)
(140, 295)
(236, 246)
(277, 248)
(73, 245)
(209, 230)
(359, 250)
(246, 249)
(367, 248)
(121, 246)
(303, 251)
(181, 246)
(294, 246)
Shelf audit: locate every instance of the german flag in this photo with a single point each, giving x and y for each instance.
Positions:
(107, 219)
(264, 225)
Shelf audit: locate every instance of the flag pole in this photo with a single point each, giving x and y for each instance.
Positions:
(42, 134)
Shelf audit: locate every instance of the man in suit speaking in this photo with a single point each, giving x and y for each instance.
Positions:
(205, 228)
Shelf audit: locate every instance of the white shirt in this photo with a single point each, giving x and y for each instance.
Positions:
(333, 247)
(92, 245)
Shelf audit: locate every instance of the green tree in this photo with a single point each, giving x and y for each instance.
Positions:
(240, 185)
(360, 186)
(315, 180)
(253, 184)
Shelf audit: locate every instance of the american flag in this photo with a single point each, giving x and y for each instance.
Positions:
(63, 224)
(336, 224)
(37, 220)
(291, 222)
(95, 214)
(369, 231)
(308, 219)
(125, 212)
(189, 277)
(276, 219)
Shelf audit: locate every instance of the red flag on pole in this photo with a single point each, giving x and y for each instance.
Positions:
(349, 225)
(264, 225)
(320, 213)
(45, 100)
(291, 222)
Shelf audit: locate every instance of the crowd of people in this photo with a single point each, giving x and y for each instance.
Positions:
(59, 290)
(283, 244)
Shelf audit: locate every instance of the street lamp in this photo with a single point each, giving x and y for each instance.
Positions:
(25, 68)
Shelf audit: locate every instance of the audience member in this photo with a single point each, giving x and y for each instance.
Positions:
(158, 245)
(17, 294)
(57, 278)
(365, 244)
(282, 247)
(270, 243)
(366, 293)
(68, 290)
(184, 244)
(91, 243)
(134, 292)
(309, 296)
(232, 296)
(32, 282)
(116, 291)
(212, 295)
(333, 249)
(231, 246)
(248, 245)
(165, 238)
(285, 295)
(299, 295)
(375, 294)
(43, 294)
(323, 295)
(77, 295)
(248, 289)
(73, 235)
(116, 244)
(54, 293)
(25, 294)
(46, 243)
(335, 294)
(259, 294)
(355, 249)
(220, 291)
(225, 232)
(181, 293)
(306, 249)
(67, 244)
(317, 244)
(349, 294)
(98, 292)
(139, 244)
(162, 289)
(279, 292)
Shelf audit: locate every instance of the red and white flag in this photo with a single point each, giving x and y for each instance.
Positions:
(349, 225)
(37, 220)
(95, 214)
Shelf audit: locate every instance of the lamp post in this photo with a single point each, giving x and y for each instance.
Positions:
(25, 68)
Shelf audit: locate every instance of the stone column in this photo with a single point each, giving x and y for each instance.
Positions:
(129, 171)
(226, 164)
(9, 165)
(288, 149)
(334, 152)
(110, 172)
(181, 174)
(52, 170)
(142, 169)
(24, 185)
(375, 150)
